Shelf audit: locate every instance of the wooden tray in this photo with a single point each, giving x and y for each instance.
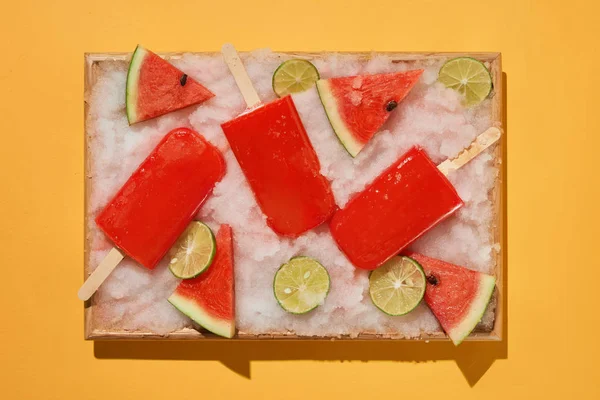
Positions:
(497, 195)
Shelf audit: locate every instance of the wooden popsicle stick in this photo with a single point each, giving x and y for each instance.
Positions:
(482, 142)
(232, 59)
(102, 271)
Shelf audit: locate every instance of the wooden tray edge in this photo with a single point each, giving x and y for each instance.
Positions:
(498, 192)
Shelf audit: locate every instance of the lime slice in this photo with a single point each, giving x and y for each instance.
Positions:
(469, 77)
(193, 252)
(294, 76)
(301, 285)
(398, 286)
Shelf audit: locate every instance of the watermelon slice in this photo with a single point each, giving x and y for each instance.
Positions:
(457, 296)
(357, 106)
(209, 299)
(155, 87)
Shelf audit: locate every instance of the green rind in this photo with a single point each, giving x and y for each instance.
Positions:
(475, 313)
(133, 76)
(309, 310)
(416, 305)
(483, 65)
(281, 65)
(352, 146)
(217, 326)
(210, 260)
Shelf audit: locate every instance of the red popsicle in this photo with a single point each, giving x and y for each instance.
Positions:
(158, 201)
(277, 158)
(400, 205)
(162, 196)
(282, 168)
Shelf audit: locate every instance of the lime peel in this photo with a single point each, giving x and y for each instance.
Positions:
(193, 252)
(301, 285)
(294, 76)
(398, 286)
(469, 77)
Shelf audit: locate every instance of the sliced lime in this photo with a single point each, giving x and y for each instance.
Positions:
(193, 252)
(294, 76)
(398, 286)
(301, 285)
(469, 77)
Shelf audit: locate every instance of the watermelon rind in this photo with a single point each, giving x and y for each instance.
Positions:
(487, 284)
(133, 76)
(218, 326)
(352, 146)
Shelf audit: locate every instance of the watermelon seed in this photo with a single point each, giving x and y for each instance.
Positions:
(391, 105)
(183, 80)
(432, 279)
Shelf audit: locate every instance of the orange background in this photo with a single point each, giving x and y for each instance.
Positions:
(551, 60)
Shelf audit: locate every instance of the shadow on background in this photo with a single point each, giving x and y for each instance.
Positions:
(473, 358)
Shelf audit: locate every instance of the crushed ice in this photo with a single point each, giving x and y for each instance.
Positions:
(134, 298)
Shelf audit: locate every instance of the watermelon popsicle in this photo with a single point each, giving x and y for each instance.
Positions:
(400, 205)
(157, 202)
(272, 147)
